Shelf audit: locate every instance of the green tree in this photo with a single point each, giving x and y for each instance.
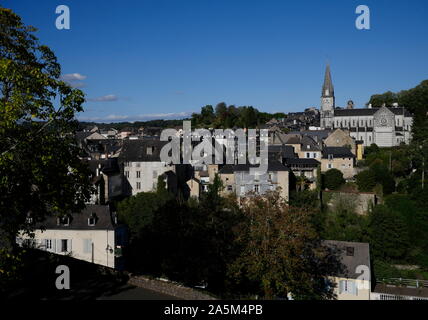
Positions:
(40, 170)
(280, 250)
(333, 179)
(384, 177)
(388, 234)
(366, 181)
(342, 222)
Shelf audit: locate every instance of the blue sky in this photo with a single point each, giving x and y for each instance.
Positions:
(166, 58)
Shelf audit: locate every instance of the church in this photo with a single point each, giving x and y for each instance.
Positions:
(384, 126)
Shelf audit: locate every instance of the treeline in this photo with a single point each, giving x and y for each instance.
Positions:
(415, 100)
(220, 116)
(223, 116)
(264, 248)
(396, 227)
(137, 124)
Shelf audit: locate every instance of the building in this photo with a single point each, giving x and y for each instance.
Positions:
(107, 180)
(140, 163)
(92, 235)
(384, 126)
(237, 179)
(400, 289)
(353, 281)
(340, 158)
(305, 168)
(342, 138)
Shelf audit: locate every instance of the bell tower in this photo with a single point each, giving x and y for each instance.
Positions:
(327, 100)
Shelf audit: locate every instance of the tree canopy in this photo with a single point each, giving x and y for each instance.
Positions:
(40, 170)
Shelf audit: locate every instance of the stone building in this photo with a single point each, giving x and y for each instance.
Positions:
(384, 126)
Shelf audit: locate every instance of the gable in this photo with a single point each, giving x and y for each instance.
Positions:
(339, 138)
(384, 118)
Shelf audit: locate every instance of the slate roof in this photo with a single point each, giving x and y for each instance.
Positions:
(81, 135)
(337, 152)
(283, 150)
(136, 150)
(343, 249)
(302, 161)
(328, 84)
(108, 166)
(293, 138)
(401, 291)
(319, 135)
(273, 165)
(309, 141)
(79, 221)
(369, 112)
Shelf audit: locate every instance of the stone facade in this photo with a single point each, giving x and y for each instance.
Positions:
(384, 126)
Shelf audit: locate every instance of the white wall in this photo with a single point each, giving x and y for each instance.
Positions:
(96, 252)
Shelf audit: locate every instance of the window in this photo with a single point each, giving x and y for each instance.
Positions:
(350, 251)
(48, 243)
(348, 286)
(65, 221)
(308, 155)
(87, 246)
(330, 166)
(127, 174)
(256, 188)
(92, 220)
(150, 150)
(138, 174)
(229, 188)
(138, 185)
(64, 245)
(315, 155)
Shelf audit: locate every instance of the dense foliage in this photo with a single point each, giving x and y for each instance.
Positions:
(333, 179)
(40, 170)
(216, 243)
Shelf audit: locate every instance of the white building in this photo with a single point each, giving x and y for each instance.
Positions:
(92, 235)
(353, 282)
(141, 166)
(384, 126)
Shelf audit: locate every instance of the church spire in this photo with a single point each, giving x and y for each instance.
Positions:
(327, 88)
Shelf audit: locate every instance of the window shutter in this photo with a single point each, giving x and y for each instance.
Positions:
(58, 245)
(342, 286)
(69, 245)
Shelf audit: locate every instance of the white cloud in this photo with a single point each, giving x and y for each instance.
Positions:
(73, 77)
(140, 117)
(106, 98)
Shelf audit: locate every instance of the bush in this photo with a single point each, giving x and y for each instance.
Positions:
(333, 179)
(366, 181)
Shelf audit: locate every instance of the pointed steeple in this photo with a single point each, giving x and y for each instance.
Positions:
(327, 88)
